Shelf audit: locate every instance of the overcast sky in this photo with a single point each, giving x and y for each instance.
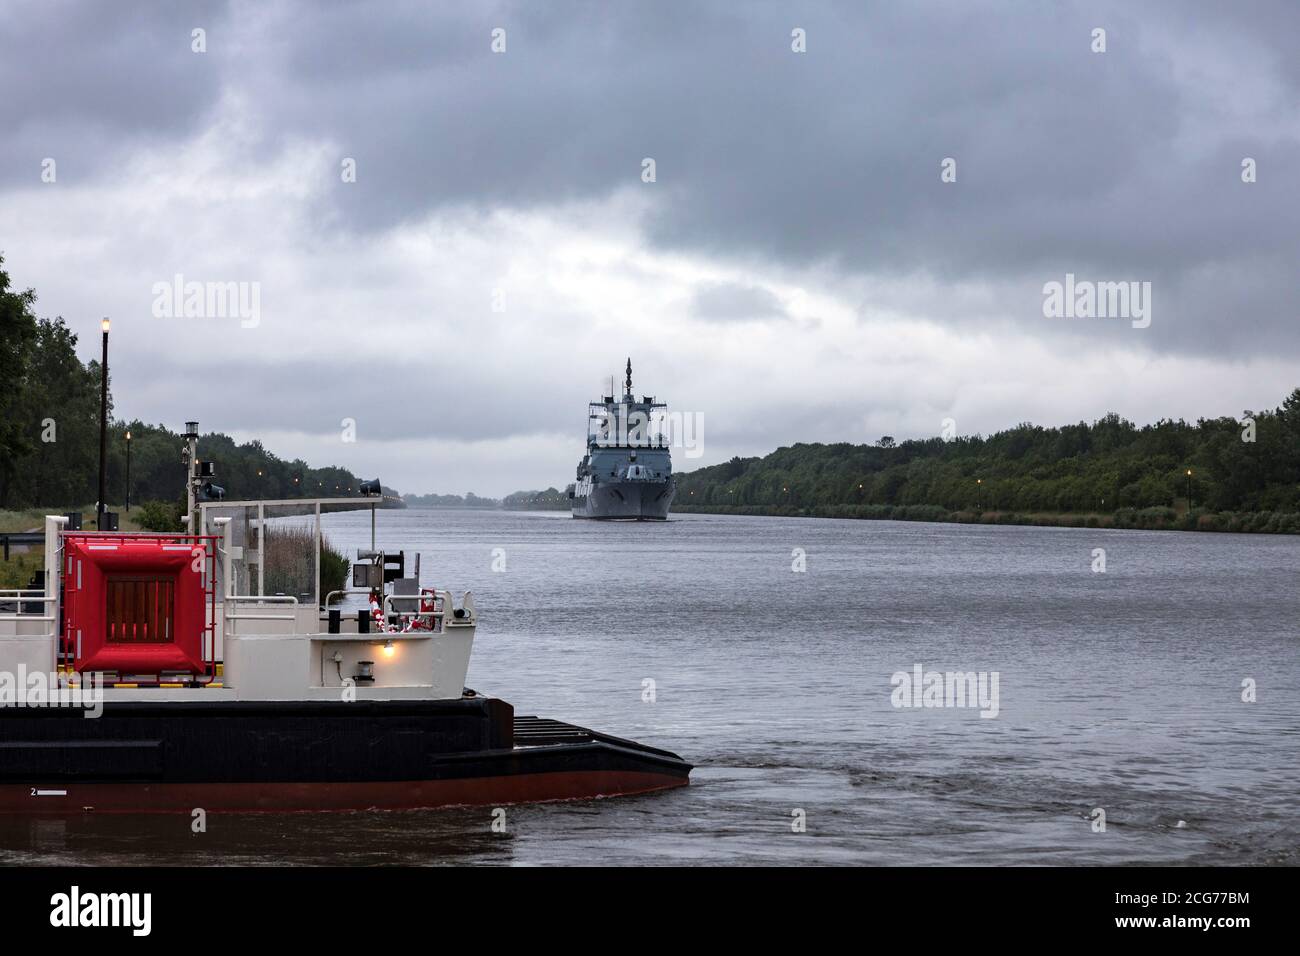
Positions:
(798, 270)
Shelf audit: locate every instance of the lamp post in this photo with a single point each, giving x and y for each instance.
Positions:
(979, 493)
(191, 437)
(1189, 489)
(103, 430)
(128, 472)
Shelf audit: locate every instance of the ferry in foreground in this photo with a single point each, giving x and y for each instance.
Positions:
(155, 673)
(627, 472)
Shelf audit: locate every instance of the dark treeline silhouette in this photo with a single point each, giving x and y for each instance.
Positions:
(1110, 467)
(548, 500)
(469, 500)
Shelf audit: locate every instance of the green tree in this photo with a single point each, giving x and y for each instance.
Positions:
(17, 338)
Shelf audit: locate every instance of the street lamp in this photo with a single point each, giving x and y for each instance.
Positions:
(979, 493)
(103, 430)
(1189, 489)
(128, 472)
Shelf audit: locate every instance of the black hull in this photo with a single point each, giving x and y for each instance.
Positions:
(315, 755)
(607, 518)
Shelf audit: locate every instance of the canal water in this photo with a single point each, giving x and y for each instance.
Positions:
(1147, 679)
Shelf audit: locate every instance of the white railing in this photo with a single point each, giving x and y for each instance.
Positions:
(280, 601)
(330, 597)
(416, 614)
(22, 596)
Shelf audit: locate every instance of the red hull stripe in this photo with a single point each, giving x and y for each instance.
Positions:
(74, 798)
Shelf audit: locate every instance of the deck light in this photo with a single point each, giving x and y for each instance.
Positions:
(389, 649)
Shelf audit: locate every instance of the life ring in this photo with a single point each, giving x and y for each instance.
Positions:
(428, 605)
(377, 612)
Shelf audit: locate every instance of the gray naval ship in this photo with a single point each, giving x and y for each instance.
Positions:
(627, 472)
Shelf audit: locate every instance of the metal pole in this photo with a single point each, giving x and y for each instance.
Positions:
(103, 431)
(317, 554)
(261, 549)
(226, 525)
(128, 472)
(53, 558)
(190, 479)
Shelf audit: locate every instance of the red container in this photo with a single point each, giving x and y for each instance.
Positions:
(135, 604)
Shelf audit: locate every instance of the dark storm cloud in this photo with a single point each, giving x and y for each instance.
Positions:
(87, 83)
(1122, 165)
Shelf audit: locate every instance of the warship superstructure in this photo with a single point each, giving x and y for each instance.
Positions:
(627, 472)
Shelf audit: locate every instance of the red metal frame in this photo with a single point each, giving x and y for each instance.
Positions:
(86, 606)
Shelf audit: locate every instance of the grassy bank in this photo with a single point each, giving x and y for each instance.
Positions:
(1152, 519)
(18, 570)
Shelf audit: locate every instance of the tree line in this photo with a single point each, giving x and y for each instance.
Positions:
(1243, 465)
(549, 500)
(468, 500)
